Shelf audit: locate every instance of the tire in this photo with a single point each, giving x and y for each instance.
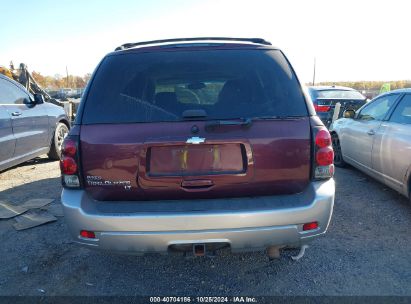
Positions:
(59, 134)
(338, 158)
(409, 190)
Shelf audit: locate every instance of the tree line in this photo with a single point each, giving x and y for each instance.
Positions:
(58, 82)
(72, 81)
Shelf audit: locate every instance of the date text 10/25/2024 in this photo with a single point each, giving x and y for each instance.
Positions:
(238, 299)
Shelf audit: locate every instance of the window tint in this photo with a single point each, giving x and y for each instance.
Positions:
(160, 86)
(340, 94)
(11, 94)
(402, 113)
(378, 108)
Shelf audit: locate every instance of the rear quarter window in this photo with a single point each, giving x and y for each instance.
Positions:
(159, 86)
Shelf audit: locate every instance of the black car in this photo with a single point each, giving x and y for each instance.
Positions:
(326, 97)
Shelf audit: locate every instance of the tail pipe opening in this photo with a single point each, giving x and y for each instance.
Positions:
(199, 250)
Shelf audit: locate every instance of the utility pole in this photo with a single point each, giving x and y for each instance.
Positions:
(67, 79)
(314, 71)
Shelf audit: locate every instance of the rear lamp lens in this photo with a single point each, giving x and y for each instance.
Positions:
(310, 226)
(325, 156)
(323, 172)
(321, 109)
(323, 139)
(71, 181)
(69, 148)
(68, 166)
(87, 234)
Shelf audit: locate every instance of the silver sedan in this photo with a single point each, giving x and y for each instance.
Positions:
(377, 139)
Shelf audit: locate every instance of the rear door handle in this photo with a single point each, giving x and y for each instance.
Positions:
(16, 113)
(196, 185)
(371, 132)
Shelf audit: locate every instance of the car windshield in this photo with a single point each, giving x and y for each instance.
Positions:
(223, 84)
(345, 94)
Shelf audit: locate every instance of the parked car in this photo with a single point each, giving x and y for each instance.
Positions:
(77, 93)
(65, 93)
(29, 127)
(196, 144)
(326, 97)
(53, 93)
(377, 139)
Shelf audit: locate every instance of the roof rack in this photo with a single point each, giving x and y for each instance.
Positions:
(133, 44)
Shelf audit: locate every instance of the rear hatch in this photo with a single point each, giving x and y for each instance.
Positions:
(176, 124)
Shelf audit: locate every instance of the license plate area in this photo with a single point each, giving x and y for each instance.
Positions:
(196, 160)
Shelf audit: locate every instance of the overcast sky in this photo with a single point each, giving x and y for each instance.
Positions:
(352, 40)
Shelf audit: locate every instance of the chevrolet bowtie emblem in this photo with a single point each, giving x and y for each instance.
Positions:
(195, 140)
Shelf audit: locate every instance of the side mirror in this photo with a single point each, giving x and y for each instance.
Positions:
(38, 98)
(349, 113)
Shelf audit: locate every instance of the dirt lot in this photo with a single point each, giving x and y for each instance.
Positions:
(367, 251)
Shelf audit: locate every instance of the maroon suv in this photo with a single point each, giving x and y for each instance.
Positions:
(196, 144)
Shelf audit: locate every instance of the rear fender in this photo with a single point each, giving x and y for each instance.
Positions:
(61, 119)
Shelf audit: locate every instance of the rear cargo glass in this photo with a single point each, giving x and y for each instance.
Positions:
(160, 86)
(330, 94)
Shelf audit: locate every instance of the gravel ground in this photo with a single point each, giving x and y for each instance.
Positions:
(367, 251)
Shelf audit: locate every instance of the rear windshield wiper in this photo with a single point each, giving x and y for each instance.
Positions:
(247, 122)
(218, 123)
(284, 117)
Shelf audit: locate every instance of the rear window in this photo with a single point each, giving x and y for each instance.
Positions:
(340, 94)
(160, 86)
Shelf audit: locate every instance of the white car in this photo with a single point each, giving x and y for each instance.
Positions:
(377, 139)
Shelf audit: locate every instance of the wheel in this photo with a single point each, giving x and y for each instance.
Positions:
(338, 158)
(59, 134)
(409, 190)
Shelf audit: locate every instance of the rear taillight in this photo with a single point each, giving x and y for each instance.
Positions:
(323, 138)
(310, 226)
(69, 163)
(323, 154)
(320, 108)
(87, 234)
(69, 147)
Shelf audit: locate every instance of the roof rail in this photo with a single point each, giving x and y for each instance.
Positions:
(133, 44)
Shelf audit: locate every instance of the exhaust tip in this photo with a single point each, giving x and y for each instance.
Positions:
(199, 250)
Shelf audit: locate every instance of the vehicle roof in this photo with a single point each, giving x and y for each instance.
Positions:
(14, 82)
(327, 88)
(406, 90)
(195, 44)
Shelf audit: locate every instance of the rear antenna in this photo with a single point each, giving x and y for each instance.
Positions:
(314, 71)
